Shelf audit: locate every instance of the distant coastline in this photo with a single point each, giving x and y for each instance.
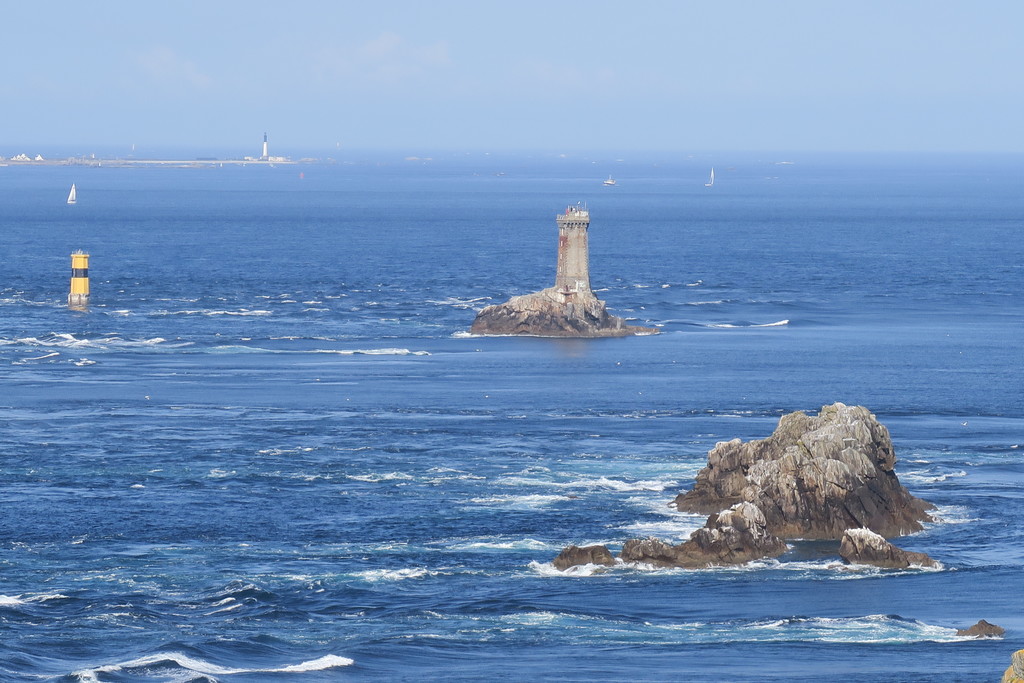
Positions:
(121, 162)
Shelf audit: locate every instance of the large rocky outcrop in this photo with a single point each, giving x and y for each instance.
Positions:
(573, 556)
(863, 546)
(554, 313)
(813, 478)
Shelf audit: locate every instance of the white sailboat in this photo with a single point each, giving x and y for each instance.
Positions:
(711, 180)
(73, 195)
(610, 181)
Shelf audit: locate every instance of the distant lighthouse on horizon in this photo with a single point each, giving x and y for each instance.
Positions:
(266, 153)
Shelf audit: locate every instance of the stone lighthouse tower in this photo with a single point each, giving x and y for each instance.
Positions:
(569, 308)
(572, 275)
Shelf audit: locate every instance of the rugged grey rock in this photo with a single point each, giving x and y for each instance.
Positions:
(573, 556)
(552, 313)
(863, 546)
(734, 536)
(982, 629)
(813, 478)
(649, 551)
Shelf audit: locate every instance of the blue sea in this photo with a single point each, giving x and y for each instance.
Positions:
(270, 451)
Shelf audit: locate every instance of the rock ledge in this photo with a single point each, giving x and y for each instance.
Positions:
(864, 546)
(554, 313)
(733, 536)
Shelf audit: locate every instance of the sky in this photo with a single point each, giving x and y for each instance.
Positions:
(485, 75)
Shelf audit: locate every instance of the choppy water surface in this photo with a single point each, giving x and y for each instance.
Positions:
(269, 450)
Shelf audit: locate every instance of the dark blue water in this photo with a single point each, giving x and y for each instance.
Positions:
(269, 451)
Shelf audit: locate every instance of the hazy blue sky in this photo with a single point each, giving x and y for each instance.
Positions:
(488, 75)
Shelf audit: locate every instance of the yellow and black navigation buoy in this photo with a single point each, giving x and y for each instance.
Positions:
(79, 295)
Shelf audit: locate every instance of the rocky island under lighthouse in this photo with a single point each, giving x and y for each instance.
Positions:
(569, 308)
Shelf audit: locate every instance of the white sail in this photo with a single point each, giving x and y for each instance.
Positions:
(711, 181)
(73, 195)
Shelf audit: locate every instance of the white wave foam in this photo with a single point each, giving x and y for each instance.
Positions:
(672, 530)
(382, 476)
(374, 352)
(285, 451)
(870, 629)
(925, 477)
(597, 483)
(69, 341)
(242, 348)
(525, 544)
(319, 664)
(12, 601)
(548, 569)
(779, 323)
(456, 302)
(605, 483)
(200, 666)
(533, 501)
(244, 312)
(52, 354)
(222, 610)
(953, 514)
(874, 629)
(831, 569)
(375, 575)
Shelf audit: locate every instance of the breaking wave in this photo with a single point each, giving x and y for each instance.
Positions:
(241, 348)
(456, 302)
(533, 501)
(778, 323)
(869, 629)
(65, 340)
(523, 544)
(596, 483)
(375, 575)
(926, 477)
(192, 665)
(244, 312)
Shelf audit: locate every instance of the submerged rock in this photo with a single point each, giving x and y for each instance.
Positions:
(574, 556)
(734, 536)
(863, 546)
(982, 629)
(813, 478)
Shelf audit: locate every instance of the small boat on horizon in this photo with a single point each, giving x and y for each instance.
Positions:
(711, 180)
(73, 195)
(610, 181)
